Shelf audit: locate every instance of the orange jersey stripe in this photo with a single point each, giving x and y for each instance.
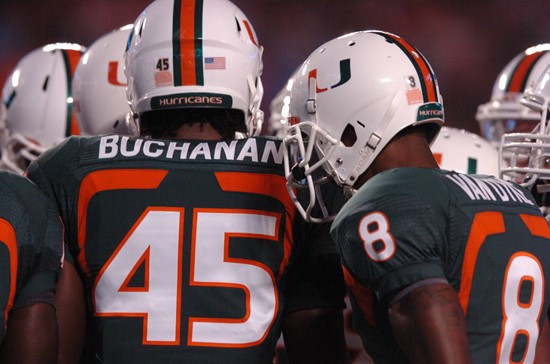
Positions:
(484, 224)
(104, 180)
(268, 185)
(362, 295)
(537, 225)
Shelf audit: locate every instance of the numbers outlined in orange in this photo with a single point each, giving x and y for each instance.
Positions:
(265, 184)
(381, 233)
(8, 238)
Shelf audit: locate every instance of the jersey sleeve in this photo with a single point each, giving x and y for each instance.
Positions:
(41, 254)
(392, 242)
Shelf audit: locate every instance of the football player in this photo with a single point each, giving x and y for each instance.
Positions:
(189, 245)
(453, 265)
(504, 113)
(99, 85)
(279, 108)
(31, 247)
(278, 119)
(39, 104)
(534, 147)
(39, 114)
(528, 153)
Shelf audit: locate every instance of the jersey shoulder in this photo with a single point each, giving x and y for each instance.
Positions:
(401, 185)
(20, 195)
(30, 224)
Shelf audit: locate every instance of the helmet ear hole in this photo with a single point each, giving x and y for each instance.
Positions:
(349, 137)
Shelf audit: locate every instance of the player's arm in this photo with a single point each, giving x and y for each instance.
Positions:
(429, 325)
(315, 336)
(313, 327)
(71, 314)
(542, 354)
(31, 335)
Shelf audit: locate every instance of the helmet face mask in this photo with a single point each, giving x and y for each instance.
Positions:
(99, 85)
(206, 57)
(351, 97)
(528, 154)
(504, 113)
(18, 152)
(38, 104)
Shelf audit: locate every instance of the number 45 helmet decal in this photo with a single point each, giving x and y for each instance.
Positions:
(348, 100)
(194, 53)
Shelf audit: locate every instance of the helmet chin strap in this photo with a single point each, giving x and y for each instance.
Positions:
(374, 139)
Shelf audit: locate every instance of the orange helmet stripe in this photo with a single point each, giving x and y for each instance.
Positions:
(518, 79)
(71, 58)
(425, 73)
(187, 43)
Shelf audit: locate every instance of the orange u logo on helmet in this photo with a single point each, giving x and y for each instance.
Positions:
(112, 77)
(345, 75)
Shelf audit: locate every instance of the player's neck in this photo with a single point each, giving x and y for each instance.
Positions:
(198, 131)
(409, 150)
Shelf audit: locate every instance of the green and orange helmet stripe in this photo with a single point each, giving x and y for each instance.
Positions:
(70, 59)
(522, 71)
(187, 43)
(428, 82)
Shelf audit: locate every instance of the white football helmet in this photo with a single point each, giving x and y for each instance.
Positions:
(349, 99)
(528, 154)
(504, 113)
(279, 109)
(39, 104)
(99, 85)
(461, 151)
(194, 54)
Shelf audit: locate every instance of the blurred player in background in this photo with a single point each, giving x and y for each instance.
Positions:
(279, 109)
(461, 151)
(504, 113)
(39, 104)
(528, 154)
(31, 247)
(99, 85)
(436, 260)
(39, 114)
(188, 242)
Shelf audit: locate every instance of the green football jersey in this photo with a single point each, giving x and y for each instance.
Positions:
(485, 236)
(190, 250)
(31, 244)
